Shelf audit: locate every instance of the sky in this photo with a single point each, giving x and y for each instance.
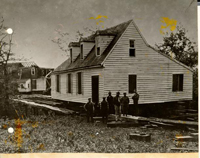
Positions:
(34, 22)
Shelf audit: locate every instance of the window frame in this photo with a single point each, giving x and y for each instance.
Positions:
(79, 83)
(69, 83)
(180, 82)
(129, 90)
(98, 48)
(132, 48)
(70, 54)
(57, 83)
(81, 51)
(33, 70)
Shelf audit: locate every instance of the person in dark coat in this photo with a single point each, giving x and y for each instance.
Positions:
(117, 106)
(110, 103)
(97, 109)
(125, 103)
(89, 108)
(135, 101)
(104, 109)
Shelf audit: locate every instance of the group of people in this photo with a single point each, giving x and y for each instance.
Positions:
(113, 105)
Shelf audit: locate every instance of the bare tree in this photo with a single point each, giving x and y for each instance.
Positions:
(64, 38)
(6, 85)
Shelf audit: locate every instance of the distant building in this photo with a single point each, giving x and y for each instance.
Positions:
(120, 59)
(29, 76)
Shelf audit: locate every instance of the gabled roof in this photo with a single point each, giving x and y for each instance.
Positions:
(74, 44)
(64, 65)
(91, 60)
(24, 63)
(90, 38)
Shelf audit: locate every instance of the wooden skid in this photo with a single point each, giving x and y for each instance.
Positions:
(187, 138)
(122, 124)
(185, 149)
(140, 137)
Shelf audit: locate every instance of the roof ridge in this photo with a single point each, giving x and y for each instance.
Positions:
(117, 25)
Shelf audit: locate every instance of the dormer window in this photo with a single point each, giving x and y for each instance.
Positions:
(98, 51)
(132, 48)
(81, 53)
(71, 54)
(32, 71)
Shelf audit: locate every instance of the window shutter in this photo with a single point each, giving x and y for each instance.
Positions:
(79, 83)
(58, 83)
(175, 81)
(69, 83)
(81, 54)
(181, 82)
(71, 54)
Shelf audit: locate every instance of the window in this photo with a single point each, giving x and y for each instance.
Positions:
(79, 89)
(34, 84)
(98, 50)
(132, 83)
(57, 83)
(81, 54)
(177, 82)
(21, 86)
(69, 83)
(32, 71)
(71, 54)
(132, 48)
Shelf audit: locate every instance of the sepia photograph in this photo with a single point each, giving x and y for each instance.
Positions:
(98, 76)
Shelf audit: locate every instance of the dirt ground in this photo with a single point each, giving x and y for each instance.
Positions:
(41, 134)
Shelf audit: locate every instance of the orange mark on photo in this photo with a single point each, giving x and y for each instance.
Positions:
(168, 23)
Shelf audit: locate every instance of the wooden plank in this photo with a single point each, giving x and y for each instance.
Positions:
(186, 138)
(162, 124)
(65, 111)
(140, 137)
(113, 124)
(164, 121)
(186, 149)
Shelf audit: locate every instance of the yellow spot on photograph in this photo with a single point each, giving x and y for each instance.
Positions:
(167, 23)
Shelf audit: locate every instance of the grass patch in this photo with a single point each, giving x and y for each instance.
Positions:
(65, 134)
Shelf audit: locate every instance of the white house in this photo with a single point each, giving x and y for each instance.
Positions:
(120, 59)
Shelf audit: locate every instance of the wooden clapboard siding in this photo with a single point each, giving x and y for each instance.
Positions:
(102, 42)
(86, 86)
(87, 46)
(40, 84)
(75, 52)
(154, 71)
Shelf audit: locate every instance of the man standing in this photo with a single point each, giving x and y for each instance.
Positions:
(125, 103)
(117, 106)
(104, 109)
(110, 103)
(135, 101)
(89, 108)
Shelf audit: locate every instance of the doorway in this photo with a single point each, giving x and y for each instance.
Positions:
(95, 89)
